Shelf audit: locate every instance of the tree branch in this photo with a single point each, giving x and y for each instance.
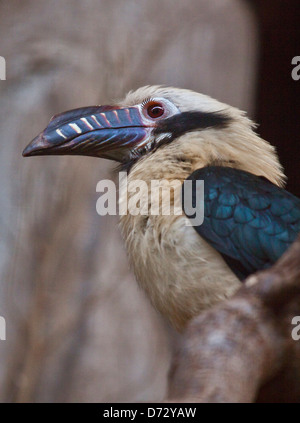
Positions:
(242, 350)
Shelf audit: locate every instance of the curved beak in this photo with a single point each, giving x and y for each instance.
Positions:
(99, 131)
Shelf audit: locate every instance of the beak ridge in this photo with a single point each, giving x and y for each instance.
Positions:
(100, 131)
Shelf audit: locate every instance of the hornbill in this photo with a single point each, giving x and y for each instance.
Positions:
(163, 133)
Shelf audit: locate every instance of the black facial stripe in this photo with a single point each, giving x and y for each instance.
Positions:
(181, 123)
(178, 125)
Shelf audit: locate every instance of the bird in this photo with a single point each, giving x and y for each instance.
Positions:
(167, 133)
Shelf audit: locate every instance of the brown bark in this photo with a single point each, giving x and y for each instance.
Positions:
(243, 350)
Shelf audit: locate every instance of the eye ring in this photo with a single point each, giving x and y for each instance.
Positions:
(155, 109)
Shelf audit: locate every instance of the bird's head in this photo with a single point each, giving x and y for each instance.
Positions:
(155, 119)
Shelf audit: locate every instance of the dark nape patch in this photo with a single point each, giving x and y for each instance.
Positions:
(184, 122)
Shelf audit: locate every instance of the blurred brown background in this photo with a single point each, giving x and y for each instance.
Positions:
(78, 327)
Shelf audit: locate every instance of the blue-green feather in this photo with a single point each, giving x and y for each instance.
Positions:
(249, 220)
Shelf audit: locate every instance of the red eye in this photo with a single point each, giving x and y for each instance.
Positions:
(155, 110)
